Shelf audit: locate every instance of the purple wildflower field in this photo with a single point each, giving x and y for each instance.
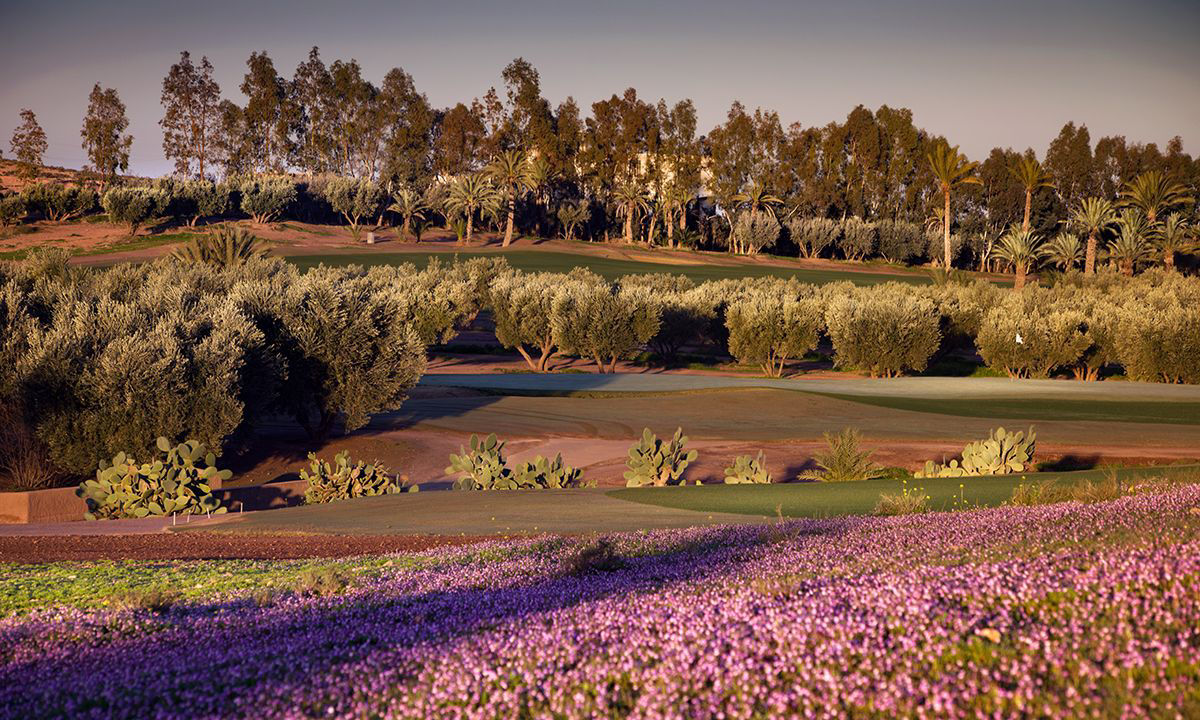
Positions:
(1065, 610)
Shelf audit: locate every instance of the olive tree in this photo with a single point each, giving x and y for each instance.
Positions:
(57, 202)
(598, 321)
(355, 199)
(522, 308)
(812, 235)
(264, 198)
(133, 206)
(769, 331)
(885, 330)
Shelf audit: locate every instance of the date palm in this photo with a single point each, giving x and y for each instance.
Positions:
(1022, 249)
(1175, 236)
(538, 179)
(755, 198)
(1154, 194)
(1134, 242)
(409, 205)
(469, 195)
(675, 200)
(630, 199)
(1065, 251)
(1093, 216)
(1032, 176)
(951, 169)
(510, 170)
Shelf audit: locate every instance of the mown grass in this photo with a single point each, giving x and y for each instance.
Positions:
(861, 498)
(1136, 411)
(611, 268)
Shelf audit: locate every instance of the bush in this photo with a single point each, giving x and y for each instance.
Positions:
(843, 461)
(225, 247)
(655, 462)
(910, 501)
(343, 481)
(747, 470)
(1028, 335)
(12, 210)
(1158, 338)
(597, 321)
(57, 202)
(769, 331)
(858, 238)
(133, 206)
(753, 232)
(885, 330)
(812, 235)
(176, 484)
(899, 241)
(265, 198)
(1001, 453)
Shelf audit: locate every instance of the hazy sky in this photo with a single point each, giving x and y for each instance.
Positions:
(1006, 73)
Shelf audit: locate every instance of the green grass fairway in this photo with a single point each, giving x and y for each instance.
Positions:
(548, 261)
(1132, 411)
(859, 498)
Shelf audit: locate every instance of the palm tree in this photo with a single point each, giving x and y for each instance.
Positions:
(1154, 193)
(510, 170)
(1030, 173)
(469, 195)
(675, 201)
(755, 198)
(630, 199)
(538, 178)
(572, 215)
(1175, 236)
(1065, 251)
(1022, 248)
(951, 168)
(409, 205)
(1134, 242)
(1093, 216)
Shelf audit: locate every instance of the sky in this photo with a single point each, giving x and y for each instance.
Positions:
(983, 74)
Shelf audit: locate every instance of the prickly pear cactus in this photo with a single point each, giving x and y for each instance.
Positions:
(655, 462)
(342, 481)
(180, 483)
(748, 470)
(1001, 453)
(482, 467)
(553, 474)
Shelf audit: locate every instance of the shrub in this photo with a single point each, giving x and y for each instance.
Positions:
(12, 210)
(655, 462)
(769, 331)
(600, 556)
(176, 484)
(812, 235)
(747, 470)
(899, 241)
(1001, 453)
(910, 501)
(342, 481)
(600, 322)
(265, 198)
(1029, 335)
(352, 198)
(843, 461)
(153, 600)
(225, 247)
(321, 581)
(133, 206)
(885, 330)
(1158, 339)
(57, 202)
(858, 238)
(551, 474)
(753, 232)
(483, 467)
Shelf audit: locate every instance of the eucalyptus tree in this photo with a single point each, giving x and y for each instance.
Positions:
(1134, 241)
(1021, 248)
(191, 101)
(1065, 250)
(1174, 236)
(951, 169)
(1032, 176)
(1093, 217)
(267, 114)
(28, 144)
(510, 170)
(1154, 194)
(103, 134)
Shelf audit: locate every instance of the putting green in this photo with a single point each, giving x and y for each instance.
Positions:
(860, 498)
(612, 268)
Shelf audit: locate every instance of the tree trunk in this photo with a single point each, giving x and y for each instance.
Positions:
(1169, 260)
(508, 229)
(404, 230)
(1028, 203)
(628, 223)
(1019, 281)
(669, 221)
(1089, 262)
(528, 360)
(470, 224)
(1127, 268)
(946, 226)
